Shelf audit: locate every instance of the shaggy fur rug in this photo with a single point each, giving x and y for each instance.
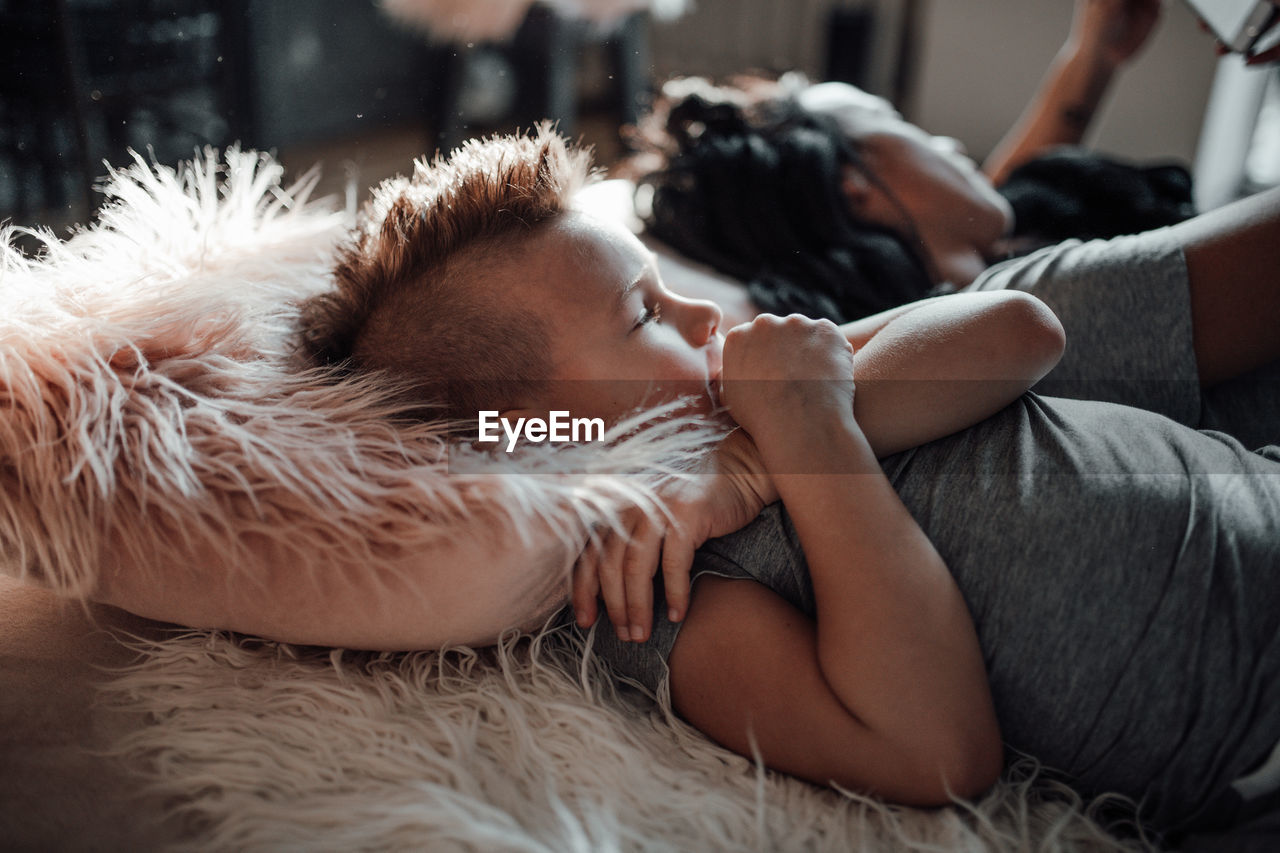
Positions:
(154, 434)
(519, 747)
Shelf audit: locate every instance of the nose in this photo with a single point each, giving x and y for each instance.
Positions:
(700, 320)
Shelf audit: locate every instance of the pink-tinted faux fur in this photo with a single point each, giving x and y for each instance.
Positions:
(159, 448)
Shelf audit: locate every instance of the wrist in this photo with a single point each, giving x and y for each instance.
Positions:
(740, 458)
(826, 442)
(1088, 57)
(1082, 76)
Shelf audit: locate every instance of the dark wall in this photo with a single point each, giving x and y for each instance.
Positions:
(86, 80)
(326, 67)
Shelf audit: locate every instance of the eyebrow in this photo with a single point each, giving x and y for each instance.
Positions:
(651, 263)
(626, 291)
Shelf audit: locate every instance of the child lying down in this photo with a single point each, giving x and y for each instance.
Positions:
(955, 565)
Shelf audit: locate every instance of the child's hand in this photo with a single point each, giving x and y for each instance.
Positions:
(780, 369)
(723, 498)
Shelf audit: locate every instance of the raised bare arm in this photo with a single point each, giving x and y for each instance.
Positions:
(1105, 34)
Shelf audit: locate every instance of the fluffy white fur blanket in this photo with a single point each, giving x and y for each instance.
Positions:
(162, 451)
(158, 448)
(263, 747)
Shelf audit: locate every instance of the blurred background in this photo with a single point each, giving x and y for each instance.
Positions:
(362, 87)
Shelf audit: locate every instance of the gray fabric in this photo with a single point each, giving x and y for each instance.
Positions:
(1125, 306)
(1247, 407)
(1120, 571)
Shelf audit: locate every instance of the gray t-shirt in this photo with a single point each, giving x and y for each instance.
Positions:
(1121, 570)
(1126, 308)
(1124, 304)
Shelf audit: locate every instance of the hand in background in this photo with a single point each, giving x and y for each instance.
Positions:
(1269, 55)
(1113, 30)
(724, 497)
(1272, 54)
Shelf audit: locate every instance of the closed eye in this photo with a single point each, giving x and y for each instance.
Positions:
(649, 315)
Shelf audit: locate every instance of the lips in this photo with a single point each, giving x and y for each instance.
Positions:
(713, 390)
(715, 366)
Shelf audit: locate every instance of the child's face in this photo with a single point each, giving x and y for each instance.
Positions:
(619, 339)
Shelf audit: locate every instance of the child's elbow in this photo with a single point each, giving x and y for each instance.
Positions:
(965, 771)
(1034, 331)
(977, 768)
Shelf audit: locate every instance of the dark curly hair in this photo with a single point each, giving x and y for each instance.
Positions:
(753, 188)
(1070, 192)
(755, 193)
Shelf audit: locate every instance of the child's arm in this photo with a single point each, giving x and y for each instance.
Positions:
(887, 692)
(933, 367)
(924, 370)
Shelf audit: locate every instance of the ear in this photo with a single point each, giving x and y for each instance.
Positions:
(855, 186)
(514, 415)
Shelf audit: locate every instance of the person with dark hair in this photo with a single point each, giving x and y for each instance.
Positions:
(831, 171)
(822, 200)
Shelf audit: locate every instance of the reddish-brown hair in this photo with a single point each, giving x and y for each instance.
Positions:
(410, 298)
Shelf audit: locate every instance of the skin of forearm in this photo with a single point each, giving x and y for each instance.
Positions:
(1060, 113)
(949, 363)
(859, 332)
(896, 642)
